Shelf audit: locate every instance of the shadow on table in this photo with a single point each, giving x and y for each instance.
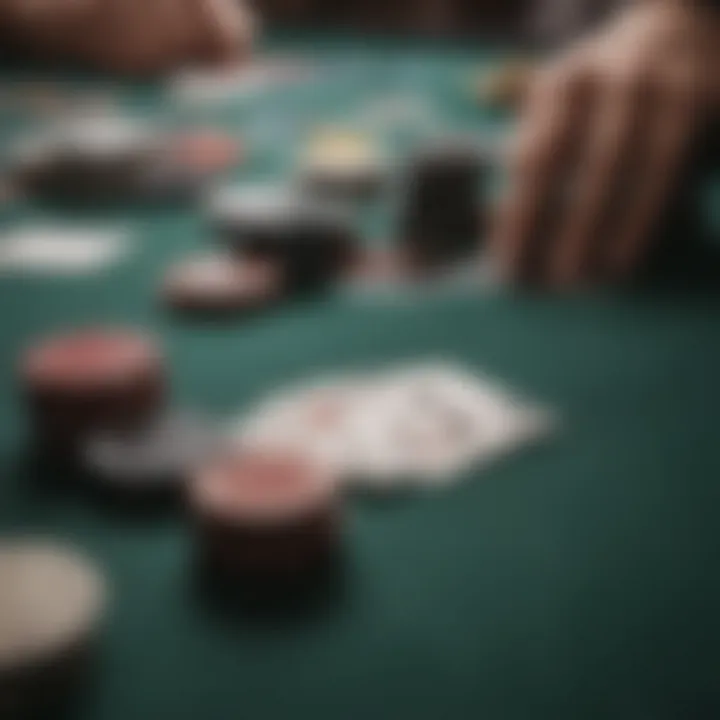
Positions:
(691, 271)
(274, 604)
(53, 479)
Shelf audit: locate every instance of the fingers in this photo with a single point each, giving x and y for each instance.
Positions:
(145, 42)
(667, 142)
(45, 27)
(621, 103)
(109, 41)
(605, 198)
(540, 158)
(175, 33)
(138, 37)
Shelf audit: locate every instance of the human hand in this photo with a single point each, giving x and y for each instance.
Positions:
(137, 37)
(601, 142)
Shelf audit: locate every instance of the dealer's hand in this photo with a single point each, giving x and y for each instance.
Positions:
(139, 37)
(602, 139)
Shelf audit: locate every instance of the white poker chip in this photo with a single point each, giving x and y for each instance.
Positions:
(251, 204)
(52, 600)
(267, 207)
(103, 137)
(101, 143)
(161, 454)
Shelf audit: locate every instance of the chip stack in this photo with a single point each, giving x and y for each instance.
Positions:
(309, 241)
(51, 608)
(89, 380)
(265, 518)
(110, 160)
(440, 214)
(221, 284)
(88, 160)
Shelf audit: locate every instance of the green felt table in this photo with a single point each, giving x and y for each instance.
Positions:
(575, 580)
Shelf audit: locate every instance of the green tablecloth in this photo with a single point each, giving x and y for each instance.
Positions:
(574, 581)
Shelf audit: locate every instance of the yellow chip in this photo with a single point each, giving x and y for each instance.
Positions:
(343, 161)
(507, 85)
(340, 147)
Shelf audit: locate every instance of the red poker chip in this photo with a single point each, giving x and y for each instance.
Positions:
(88, 359)
(206, 151)
(87, 380)
(268, 513)
(263, 487)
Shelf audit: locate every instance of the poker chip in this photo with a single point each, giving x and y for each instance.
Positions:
(87, 160)
(51, 607)
(105, 159)
(207, 152)
(506, 86)
(221, 284)
(341, 164)
(441, 212)
(310, 240)
(155, 458)
(243, 212)
(265, 514)
(106, 140)
(83, 381)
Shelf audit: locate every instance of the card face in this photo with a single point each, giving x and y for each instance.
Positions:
(452, 419)
(318, 418)
(61, 250)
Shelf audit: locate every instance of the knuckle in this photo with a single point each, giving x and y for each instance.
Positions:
(566, 80)
(631, 83)
(531, 152)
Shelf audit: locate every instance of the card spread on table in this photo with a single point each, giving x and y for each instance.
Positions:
(61, 250)
(421, 425)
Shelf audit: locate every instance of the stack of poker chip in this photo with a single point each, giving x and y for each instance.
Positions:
(342, 164)
(221, 284)
(85, 381)
(264, 517)
(51, 607)
(440, 214)
(89, 159)
(308, 240)
(151, 463)
(99, 159)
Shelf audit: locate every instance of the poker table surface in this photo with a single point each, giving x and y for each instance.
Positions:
(572, 580)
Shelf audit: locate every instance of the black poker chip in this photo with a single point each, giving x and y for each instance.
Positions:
(310, 240)
(441, 214)
(86, 160)
(153, 461)
(100, 161)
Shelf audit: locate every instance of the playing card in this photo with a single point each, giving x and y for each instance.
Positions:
(449, 418)
(317, 418)
(61, 250)
(419, 425)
